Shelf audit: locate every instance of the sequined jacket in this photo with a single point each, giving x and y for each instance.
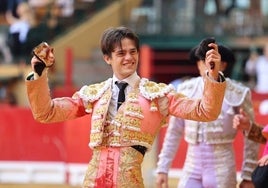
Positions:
(138, 120)
(221, 131)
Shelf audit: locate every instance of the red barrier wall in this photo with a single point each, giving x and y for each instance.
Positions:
(22, 138)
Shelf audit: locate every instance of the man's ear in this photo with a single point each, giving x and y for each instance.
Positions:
(107, 59)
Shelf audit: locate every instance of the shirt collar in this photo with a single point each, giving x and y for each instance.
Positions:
(131, 80)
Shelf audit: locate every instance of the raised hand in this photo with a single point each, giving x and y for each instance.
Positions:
(213, 60)
(43, 57)
(208, 52)
(241, 121)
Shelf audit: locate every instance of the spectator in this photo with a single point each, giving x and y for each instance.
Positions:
(67, 7)
(66, 15)
(257, 65)
(4, 49)
(12, 7)
(19, 28)
(52, 21)
(7, 96)
(38, 3)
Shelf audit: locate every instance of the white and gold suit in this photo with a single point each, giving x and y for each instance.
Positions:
(210, 159)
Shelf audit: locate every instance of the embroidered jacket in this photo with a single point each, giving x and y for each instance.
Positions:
(138, 120)
(221, 131)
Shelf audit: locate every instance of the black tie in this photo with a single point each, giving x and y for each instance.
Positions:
(121, 97)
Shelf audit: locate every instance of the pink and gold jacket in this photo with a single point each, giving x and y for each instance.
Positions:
(137, 122)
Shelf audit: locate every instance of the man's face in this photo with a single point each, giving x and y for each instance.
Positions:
(124, 59)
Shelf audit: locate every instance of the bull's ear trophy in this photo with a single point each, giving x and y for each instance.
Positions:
(42, 53)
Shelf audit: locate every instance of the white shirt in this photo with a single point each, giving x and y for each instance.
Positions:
(131, 80)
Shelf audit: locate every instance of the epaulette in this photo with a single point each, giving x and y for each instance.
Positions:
(235, 92)
(152, 90)
(93, 92)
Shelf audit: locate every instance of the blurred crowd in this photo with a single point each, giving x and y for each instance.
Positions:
(29, 23)
(26, 23)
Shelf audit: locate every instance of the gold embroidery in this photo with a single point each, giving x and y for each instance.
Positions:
(104, 99)
(101, 110)
(134, 111)
(133, 136)
(96, 125)
(92, 170)
(132, 121)
(91, 93)
(88, 107)
(130, 169)
(124, 129)
(151, 90)
(95, 139)
(153, 106)
(133, 97)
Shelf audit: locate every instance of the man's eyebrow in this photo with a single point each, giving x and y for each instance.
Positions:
(121, 50)
(118, 50)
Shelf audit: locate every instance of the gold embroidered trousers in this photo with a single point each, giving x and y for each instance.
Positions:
(114, 167)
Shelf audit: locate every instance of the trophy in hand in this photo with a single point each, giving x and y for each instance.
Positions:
(44, 53)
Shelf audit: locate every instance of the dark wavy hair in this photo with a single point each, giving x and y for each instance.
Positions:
(192, 55)
(227, 56)
(112, 37)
